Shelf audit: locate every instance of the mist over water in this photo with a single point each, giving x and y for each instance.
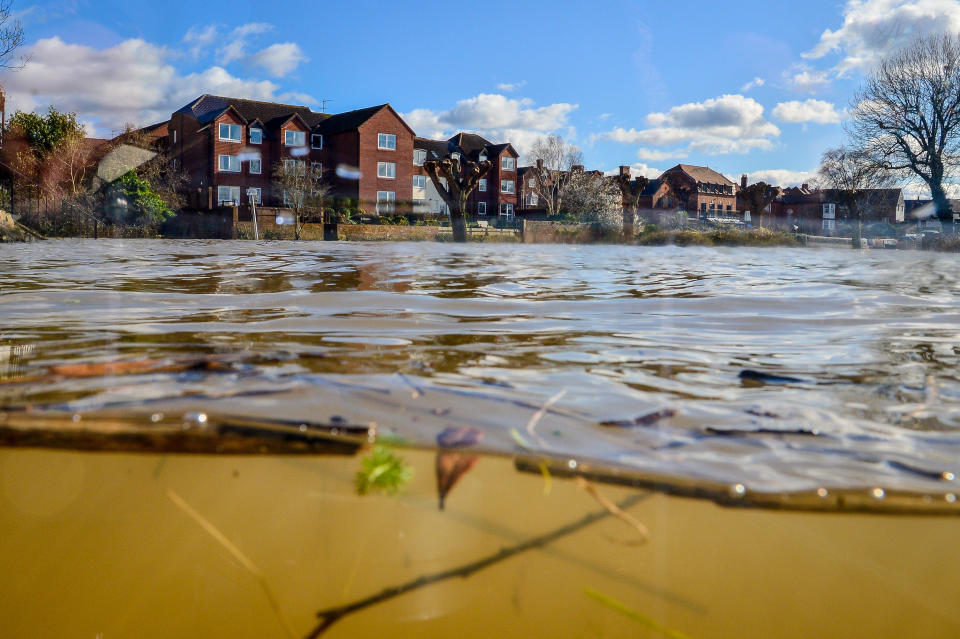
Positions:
(419, 336)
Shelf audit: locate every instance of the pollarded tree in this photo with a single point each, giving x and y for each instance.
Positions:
(455, 181)
(907, 115)
(856, 178)
(630, 191)
(302, 189)
(553, 168)
(757, 197)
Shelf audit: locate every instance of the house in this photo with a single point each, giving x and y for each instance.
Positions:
(495, 196)
(229, 146)
(702, 190)
(821, 211)
(533, 182)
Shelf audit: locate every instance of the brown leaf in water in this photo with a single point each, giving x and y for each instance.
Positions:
(644, 420)
(450, 468)
(104, 369)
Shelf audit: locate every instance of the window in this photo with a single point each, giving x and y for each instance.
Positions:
(508, 164)
(829, 225)
(829, 211)
(455, 156)
(506, 186)
(316, 168)
(481, 208)
(228, 195)
(506, 210)
(316, 141)
(482, 184)
(387, 141)
(386, 170)
(174, 136)
(419, 157)
(531, 183)
(385, 201)
(255, 166)
(299, 166)
(294, 138)
(291, 199)
(532, 199)
(256, 136)
(230, 132)
(483, 156)
(703, 207)
(255, 198)
(419, 181)
(229, 163)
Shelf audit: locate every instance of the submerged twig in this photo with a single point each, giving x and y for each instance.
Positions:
(614, 510)
(613, 604)
(537, 416)
(237, 554)
(330, 616)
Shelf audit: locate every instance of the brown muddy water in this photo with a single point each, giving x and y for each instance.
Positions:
(778, 427)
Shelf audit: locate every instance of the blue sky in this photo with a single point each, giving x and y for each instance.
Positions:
(746, 87)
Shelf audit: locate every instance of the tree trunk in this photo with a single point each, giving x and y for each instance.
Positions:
(856, 233)
(296, 226)
(629, 218)
(940, 201)
(458, 220)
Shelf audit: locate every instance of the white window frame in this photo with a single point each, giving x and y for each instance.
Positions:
(174, 136)
(419, 181)
(228, 127)
(387, 198)
(504, 186)
(829, 225)
(258, 132)
(231, 190)
(830, 211)
(313, 137)
(301, 165)
(482, 184)
(484, 157)
(419, 157)
(297, 135)
(506, 210)
(258, 163)
(387, 170)
(316, 168)
(259, 197)
(532, 199)
(384, 141)
(481, 208)
(508, 164)
(232, 161)
(531, 183)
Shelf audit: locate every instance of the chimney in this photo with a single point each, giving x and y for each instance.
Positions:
(805, 186)
(577, 168)
(743, 181)
(539, 164)
(624, 170)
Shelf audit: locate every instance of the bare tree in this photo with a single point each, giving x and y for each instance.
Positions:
(907, 115)
(556, 158)
(757, 197)
(11, 37)
(630, 191)
(302, 189)
(855, 177)
(454, 182)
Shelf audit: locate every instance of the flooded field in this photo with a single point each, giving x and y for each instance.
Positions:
(630, 441)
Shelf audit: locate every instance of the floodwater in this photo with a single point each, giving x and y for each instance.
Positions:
(785, 425)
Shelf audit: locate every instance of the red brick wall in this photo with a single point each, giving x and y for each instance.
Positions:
(386, 121)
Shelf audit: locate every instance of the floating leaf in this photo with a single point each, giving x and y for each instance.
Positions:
(382, 471)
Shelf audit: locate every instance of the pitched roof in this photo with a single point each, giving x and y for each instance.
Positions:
(469, 143)
(435, 148)
(652, 187)
(207, 107)
(349, 120)
(704, 174)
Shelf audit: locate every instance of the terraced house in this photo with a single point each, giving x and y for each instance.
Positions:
(229, 146)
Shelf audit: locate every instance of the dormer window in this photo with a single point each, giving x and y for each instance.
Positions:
(483, 156)
(455, 156)
(256, 136)
(294, 138)
(230, 132)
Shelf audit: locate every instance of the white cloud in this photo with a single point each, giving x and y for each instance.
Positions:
(494, 116)
(132, 82)
(199, 40)
(805, 79)
(508, 86)
(752, 84)
(238, 40)
(279, 59)
(641, 168)
(782, 177)
(728, 124)
(653, 155)
(873, 28)
(604, 116)
(811, 110)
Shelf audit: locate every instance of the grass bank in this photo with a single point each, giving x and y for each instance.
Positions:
(652, 236)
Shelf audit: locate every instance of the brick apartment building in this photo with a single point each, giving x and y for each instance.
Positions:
(702, 190)
(229, 145)
(496, 195)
